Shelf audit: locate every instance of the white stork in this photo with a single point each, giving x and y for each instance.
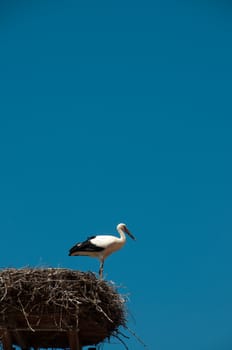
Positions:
(101, 246)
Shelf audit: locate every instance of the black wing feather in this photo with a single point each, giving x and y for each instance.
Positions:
(85, 246)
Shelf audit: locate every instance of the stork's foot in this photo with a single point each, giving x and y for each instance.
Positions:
(101, 270)
(101, 274)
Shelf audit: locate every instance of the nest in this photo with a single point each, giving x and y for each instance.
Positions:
(40, 307)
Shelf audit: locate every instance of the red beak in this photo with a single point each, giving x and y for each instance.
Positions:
(129, 233)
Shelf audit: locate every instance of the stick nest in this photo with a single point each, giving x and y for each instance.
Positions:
(39, 307)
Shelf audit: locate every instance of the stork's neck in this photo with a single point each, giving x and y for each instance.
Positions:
(122, 235)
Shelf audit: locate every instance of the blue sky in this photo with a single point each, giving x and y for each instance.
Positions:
(121, 112)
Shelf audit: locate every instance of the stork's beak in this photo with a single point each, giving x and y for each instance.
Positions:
(129, 233)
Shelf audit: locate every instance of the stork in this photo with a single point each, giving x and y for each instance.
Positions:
(101, 246)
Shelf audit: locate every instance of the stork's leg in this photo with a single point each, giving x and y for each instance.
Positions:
(101, 269)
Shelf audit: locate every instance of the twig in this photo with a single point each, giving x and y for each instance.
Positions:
(25, 315)
(137, 337)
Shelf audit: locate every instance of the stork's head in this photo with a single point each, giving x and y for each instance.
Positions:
(125, 229)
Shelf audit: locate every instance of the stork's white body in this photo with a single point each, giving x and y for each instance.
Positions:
(109, 243)
(101, 246)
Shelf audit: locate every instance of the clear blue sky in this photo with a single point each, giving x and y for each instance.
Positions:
(121, 111)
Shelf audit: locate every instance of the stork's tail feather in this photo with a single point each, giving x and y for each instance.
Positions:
(73, 250)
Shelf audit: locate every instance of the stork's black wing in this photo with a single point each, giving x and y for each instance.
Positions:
(85, 246)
